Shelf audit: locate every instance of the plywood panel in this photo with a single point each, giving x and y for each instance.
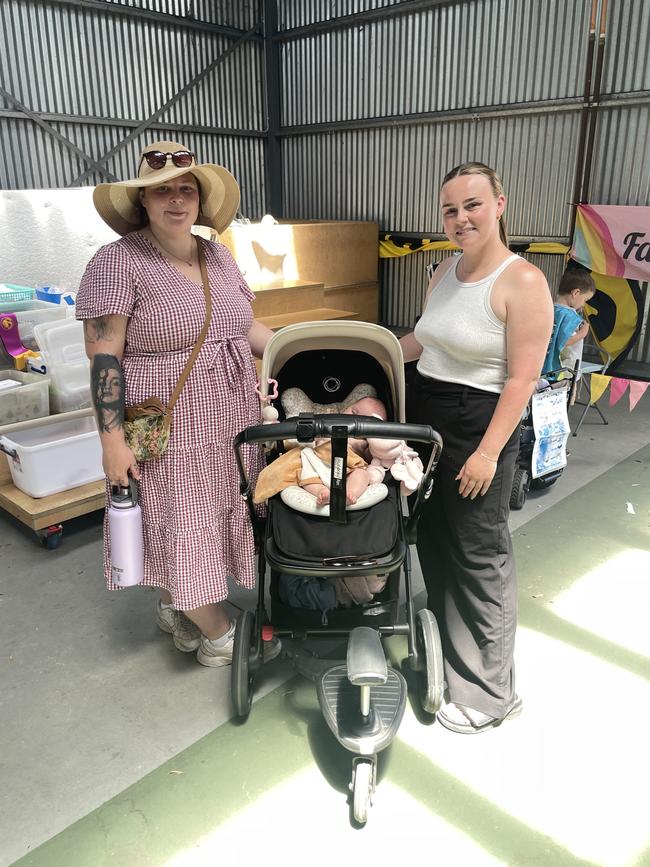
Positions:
(362, 298)
(316, 315)
(284, 296)
(41, 512)
(333, 253)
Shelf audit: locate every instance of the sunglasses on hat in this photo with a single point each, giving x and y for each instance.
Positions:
(158, 159)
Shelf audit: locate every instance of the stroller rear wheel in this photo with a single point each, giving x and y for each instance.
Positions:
(431, 678)
(520, 487)
(241, 681)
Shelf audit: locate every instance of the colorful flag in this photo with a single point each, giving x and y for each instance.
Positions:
(637, 390)
(613, 240)
(617, 389)
(599, 383)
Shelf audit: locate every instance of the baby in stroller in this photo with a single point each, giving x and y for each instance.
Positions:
(302, 477)
(308, 468)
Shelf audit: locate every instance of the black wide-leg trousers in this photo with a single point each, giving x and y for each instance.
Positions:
(465, 549)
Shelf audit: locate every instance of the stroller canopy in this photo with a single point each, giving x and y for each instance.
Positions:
(346, 336)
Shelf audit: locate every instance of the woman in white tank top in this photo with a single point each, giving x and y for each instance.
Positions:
(480, 344)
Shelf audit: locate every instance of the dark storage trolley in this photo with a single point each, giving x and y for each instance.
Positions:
(362, 698)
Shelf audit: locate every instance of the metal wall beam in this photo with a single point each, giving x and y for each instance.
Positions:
(514, 239)
(114, 9)
(542, 107)
(163, 108)
(273, 111)
(28, 114)
(431, 117)
(408, 7)
(131, 124)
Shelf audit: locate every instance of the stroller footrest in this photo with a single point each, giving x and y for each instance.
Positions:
(340, 703)
(366, 662)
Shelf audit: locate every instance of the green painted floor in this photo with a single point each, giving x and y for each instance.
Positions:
(563, 785)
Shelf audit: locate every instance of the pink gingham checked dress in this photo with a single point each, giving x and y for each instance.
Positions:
(196, 527)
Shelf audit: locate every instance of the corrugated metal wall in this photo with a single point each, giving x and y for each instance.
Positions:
(94, 73)
(412, 92)
(379, 98)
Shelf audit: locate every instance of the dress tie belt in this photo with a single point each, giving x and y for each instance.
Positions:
(232, 355)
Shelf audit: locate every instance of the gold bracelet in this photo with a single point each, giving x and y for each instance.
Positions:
(487, 457)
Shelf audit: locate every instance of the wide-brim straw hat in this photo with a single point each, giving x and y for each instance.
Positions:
(118, 204)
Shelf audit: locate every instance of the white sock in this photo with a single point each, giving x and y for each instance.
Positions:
(223, 639)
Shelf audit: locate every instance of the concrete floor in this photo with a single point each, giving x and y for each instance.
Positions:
(124, 748)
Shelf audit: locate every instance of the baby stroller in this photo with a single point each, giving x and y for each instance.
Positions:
(530, 475)
(362, 698)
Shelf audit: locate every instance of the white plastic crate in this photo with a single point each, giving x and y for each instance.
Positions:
(62, 342)
(64, 353)
(29, 400)
(69, 386)
(48, 458)
(16, 306)
(27, 319)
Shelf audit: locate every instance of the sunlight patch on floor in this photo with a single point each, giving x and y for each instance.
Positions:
(566, 767)
(613, 600)
(306, 821)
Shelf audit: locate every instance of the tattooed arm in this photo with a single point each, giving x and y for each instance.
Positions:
(105, 337)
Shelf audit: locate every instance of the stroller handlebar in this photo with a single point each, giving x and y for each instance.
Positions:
(307, 427)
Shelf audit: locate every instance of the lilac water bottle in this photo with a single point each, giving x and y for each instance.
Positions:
(125, 525)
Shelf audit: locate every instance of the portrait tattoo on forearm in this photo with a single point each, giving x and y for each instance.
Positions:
(97, 329)
(107, 387)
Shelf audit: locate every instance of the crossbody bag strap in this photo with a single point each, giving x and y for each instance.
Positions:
(199, 342)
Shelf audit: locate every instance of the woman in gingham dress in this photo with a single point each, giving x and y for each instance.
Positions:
(143, 306)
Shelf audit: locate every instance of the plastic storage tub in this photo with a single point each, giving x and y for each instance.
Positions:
(27, 319)
(55, 295)
(64, 353)
(49, 458)
(28, 400)
(15, 306)
(62, 342)
(69, 386)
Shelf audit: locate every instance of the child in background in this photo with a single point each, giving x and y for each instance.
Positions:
(569, 327)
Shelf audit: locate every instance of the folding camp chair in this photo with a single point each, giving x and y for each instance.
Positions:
(586, 369)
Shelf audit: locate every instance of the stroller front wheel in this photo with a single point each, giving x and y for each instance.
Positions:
(362, 788)
(241, 679)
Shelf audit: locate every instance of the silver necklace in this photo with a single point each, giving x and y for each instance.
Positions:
(169, 253)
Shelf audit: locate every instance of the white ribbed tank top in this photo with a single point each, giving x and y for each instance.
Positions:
(462, 339)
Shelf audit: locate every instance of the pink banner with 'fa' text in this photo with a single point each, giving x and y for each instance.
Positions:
(613, 240)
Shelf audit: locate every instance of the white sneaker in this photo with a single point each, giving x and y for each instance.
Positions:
(221, 654)
(187, 636)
